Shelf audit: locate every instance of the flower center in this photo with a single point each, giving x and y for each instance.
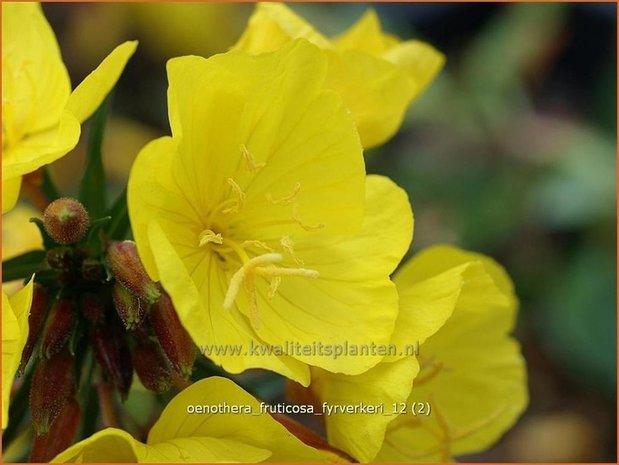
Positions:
(257, 258)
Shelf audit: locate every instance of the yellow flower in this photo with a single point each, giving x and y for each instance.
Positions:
(188, 430)
(251, 215)
(15, 311)
(377, 75)
(460, 307)
(40, 115)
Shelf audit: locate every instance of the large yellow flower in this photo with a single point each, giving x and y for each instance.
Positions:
(40, 115)
(377, 75)
(460, 307)
(15, 311)
(196, 427)
(253, 214)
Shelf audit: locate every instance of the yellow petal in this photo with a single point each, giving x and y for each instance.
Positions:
(35, 83)
(208, 323)
(110, 445)
(199, 449)
(87, 96)
(472, 374)
(272, 25)
(365, 35)
(259, 430)
(41, 148)
(353, 301)
(15, 310)
(375, 74)
(419, 61)
(10, 193)
(273, 107)
(386, 385)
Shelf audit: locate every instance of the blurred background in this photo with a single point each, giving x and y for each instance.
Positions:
(511, 152)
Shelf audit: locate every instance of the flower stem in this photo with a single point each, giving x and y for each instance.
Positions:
(106, 401)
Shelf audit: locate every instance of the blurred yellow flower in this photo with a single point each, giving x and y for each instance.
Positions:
(196, 427)
(40, 115)
(15, 311)
(460, 308)
(377, 75)
(251, 215)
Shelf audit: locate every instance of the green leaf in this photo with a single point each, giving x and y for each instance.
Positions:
(118, 228)
(94, 241)
(92, 187)
(23, 266)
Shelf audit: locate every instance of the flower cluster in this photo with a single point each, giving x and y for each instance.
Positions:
(255, 224)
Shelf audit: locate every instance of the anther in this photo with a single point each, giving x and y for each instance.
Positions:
(307, 227)
(288, 246)
(250, 161)
(287, 199)
(207, 236)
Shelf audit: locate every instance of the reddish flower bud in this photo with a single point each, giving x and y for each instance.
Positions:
(52, 385)
(36, 319)
(129, 307)
(66, 220)
(58, 327)
(92, 308)
(152, 367)
(174, 339)
(60, 436)
(124, 263)
(92, 270)
(60, 258)
(113, 355)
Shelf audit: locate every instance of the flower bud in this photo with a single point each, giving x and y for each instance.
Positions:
(174, 339)
(58, 327)
(152, 367)
(36, 319)
(66, 220)
(124, 263)
(92, 308)
(60, 436)
(113, 355)
(92, 270)
(60, 258)
(52, 385)
(129, 307)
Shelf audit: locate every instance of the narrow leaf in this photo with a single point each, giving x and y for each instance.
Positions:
(92, 187)
(118, 228)
(23, 266)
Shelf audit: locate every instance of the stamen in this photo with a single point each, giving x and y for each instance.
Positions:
(277, 280)
(279, 271)
(288, 246)
(238, 277)
(287, 199)
(259, 244)
(262, 265)
(240, 197)
(307, 227)
(252, 297)
(207, 236)
(250, 161)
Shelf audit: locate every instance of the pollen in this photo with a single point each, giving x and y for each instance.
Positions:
(287, 199)
(240, 197)
(288, 246)
(208, 236)
(307, 227)
(250, 162)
